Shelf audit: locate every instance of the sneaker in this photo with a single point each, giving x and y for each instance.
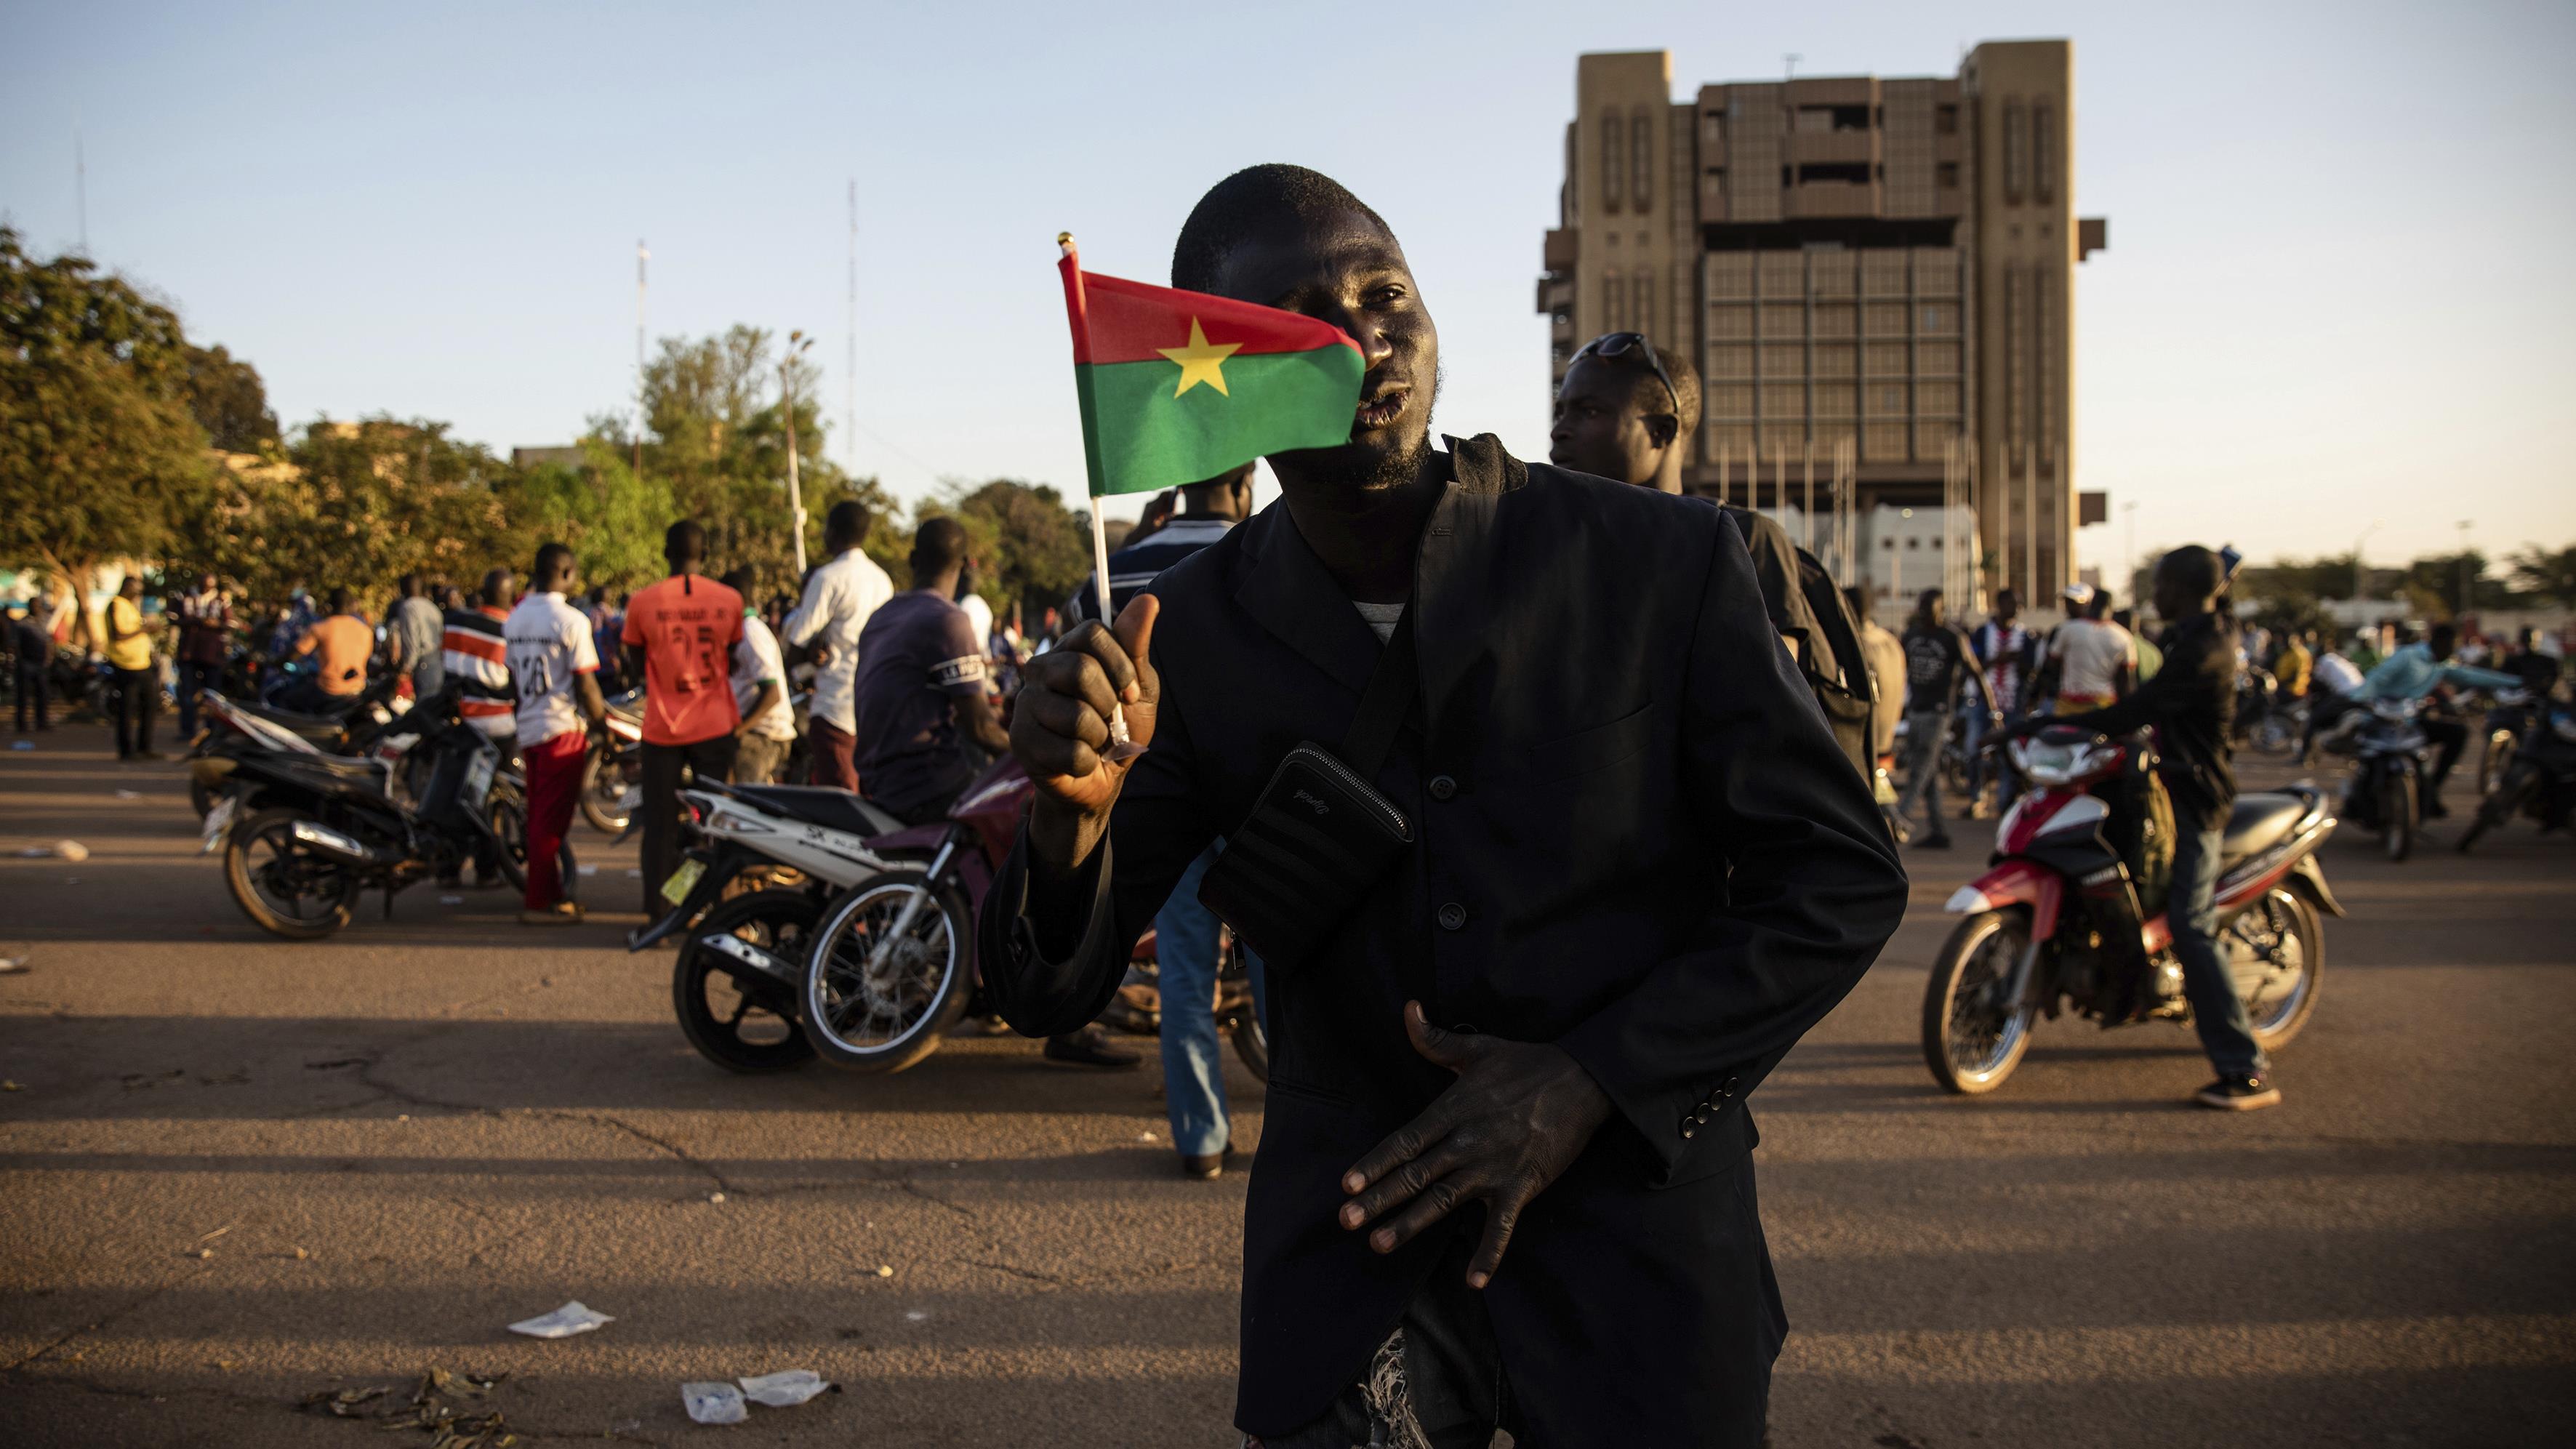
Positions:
(1090, 1047)
(1206, 1167)
(561, 913)
(1933, 842)
(2234, 1093)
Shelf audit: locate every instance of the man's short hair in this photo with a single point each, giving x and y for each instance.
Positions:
(2441, 638)
(2195, 568)
(1686, 391)
(410, 585)
(496, 587)
(741, 580)
(848, 519)
(552, 558)
(1255, 201)
(938, 544)
(684, 542)
(339, 601)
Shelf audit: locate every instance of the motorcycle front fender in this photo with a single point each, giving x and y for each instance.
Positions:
(2014, 882)
(2312, 878)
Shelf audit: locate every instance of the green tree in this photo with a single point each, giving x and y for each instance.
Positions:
(229, 401)
(1034, 550)
(99, 457)
(2546, 573)
(612, 520)
(358, 505)
(2432, 584)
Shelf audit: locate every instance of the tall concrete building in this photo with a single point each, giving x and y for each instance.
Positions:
(1875, 278)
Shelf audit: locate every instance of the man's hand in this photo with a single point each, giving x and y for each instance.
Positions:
(1060, 728)
(820, 656)
(1516, 1118)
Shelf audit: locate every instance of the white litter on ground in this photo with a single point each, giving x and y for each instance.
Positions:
(564, 1322)
(129, 794)
(71, 850)
(714, 1403)
(784, 1390)
(587, 869)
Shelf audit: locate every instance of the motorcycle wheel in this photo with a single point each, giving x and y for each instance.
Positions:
(738, 1018)
(889, 1022)
(1237, 1018)
(2276, 956)
(508, 813)
(2397, 815)
(285, 888)
(603, 795)
(1971, 1040)
(2499, 806)
(2493, 760)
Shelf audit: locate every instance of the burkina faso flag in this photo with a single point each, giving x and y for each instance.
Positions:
(1177, 387)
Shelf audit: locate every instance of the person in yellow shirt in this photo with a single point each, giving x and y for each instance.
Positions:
(2292, 667)
(138, 684)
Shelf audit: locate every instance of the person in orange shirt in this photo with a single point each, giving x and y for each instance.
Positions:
(679, 640)
(339, 645)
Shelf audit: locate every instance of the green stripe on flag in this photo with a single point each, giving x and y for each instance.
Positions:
(1140, 438)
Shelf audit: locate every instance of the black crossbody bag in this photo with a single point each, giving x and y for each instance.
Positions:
(1321, 837)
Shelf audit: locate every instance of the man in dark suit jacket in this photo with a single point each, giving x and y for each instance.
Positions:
(1506, 1144)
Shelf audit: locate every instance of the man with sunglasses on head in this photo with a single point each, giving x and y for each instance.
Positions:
(1627, 411)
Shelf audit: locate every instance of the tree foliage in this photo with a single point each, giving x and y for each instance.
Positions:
(1033, 549)
(612, 520)
(2546, 573)
(229, 401)
(99, 456)
(358, 505)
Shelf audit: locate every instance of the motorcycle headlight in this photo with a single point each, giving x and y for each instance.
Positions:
(2046, 763)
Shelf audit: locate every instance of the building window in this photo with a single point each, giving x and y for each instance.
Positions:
(2016, 150)
(1641, 158)
(1946, 173)
(1613, 161)
(2043, 151)
(1645, 318)
(1945, 120)
(1614, 313)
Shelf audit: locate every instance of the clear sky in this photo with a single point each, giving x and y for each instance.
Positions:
(2339, 288)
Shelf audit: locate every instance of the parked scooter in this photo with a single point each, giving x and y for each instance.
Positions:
(2386, 743)
(2509, 715)
(234, 725)
(2539, 781)
(2061, 919)
(612, 778)
(303, 833)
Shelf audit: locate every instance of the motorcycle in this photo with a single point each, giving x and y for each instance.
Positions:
(2539, 781)
(2383, 791)
(303, 833)
(234, 725)
(2072, 913)
(2509, 716)
(612, 779)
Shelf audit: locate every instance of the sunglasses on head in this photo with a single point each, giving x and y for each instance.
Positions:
(1620, 344)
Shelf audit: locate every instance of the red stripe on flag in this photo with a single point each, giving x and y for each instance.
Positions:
(1115, 320)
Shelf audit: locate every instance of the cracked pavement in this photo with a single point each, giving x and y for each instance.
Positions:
(389, 1145)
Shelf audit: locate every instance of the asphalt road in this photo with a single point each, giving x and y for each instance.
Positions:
(236, 1171)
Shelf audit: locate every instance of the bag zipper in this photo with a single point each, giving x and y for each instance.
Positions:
(1392, 818)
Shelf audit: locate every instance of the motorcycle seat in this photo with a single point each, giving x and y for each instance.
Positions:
(2259, 822)
(822, 805)
(302, 724)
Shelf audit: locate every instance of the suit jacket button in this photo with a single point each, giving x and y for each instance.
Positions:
(1686, 1129)
(1453, 917)
(1442, 787)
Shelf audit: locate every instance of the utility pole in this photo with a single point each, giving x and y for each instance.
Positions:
(2129, 579)
(2465, 601)
(2360, 572)
(641, 257)
(850, 372)
(797, 342)
(80, 188)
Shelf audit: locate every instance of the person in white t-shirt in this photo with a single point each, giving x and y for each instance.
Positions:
(2096, 660)
(555, 667)
(768, 725)
(839, 597)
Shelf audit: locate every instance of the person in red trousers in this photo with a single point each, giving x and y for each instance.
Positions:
(555, 667)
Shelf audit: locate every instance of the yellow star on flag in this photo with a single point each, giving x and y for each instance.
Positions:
(1202, 361)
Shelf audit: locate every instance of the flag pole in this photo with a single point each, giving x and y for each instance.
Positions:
(1120, 745)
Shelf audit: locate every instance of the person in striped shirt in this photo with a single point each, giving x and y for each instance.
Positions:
(474, 657)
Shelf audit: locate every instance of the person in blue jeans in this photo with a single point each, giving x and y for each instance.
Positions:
(2191, 703)
(1185, 936)
(1186, 932)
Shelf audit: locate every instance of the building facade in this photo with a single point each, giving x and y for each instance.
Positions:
(1875, 279)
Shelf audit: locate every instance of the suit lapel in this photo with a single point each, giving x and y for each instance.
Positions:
(1453, 584)
(1285, 589)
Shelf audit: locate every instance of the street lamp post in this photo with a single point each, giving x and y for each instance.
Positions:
(797, 342)
(2360, 575)
(2464, 570)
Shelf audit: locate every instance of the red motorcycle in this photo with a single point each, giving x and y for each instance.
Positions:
(2073, 912)
(891, 966)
